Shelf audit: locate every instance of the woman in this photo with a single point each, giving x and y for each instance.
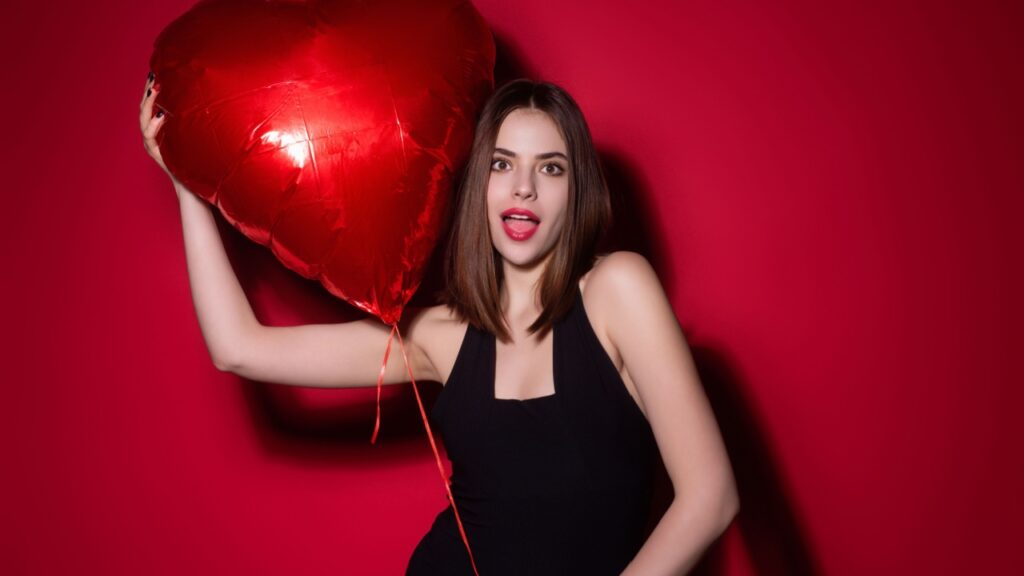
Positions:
(562, 373)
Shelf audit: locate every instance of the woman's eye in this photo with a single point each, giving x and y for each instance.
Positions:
(499, 164)
(553, 169)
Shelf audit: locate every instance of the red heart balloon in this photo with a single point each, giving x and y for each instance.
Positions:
(328, 130)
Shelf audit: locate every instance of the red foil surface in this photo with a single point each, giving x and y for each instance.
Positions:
(329, 131)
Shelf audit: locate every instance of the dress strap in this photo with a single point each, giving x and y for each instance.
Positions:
(462, 391)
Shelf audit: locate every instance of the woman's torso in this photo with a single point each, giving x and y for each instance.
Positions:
(553, 484)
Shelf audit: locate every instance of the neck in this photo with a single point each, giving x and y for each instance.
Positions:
(520, 293)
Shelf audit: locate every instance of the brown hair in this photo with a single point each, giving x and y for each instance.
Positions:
(473, 266)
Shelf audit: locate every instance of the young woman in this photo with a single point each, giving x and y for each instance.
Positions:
(564, 374)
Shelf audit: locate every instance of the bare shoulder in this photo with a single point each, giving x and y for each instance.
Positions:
(437, 332)
(620, 287)
(617, 284)
(622, 270)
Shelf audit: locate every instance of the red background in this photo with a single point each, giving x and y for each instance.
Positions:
(830, 194)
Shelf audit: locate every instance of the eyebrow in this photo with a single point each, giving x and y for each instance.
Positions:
(543, 156)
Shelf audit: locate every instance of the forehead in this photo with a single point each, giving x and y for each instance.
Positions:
(530, 130)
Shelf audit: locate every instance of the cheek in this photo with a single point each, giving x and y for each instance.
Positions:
(558, 217)
(563, 209)
(492, 190)
(560, 199)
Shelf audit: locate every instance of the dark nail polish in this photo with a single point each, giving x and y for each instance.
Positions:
(149, 92)
(160, 114)
(151, 75)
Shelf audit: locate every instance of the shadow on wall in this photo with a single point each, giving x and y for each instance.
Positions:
(634, 227)
(772, 536)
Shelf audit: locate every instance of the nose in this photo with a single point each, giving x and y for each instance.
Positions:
(524, 187)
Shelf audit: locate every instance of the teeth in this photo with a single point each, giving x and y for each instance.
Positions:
(517, 217)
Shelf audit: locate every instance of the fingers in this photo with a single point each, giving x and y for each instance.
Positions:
(146, 116)
(147, 99)
(150, 80)
(150, 123)
(151, 130)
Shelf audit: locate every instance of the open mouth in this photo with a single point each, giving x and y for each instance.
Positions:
(519, 224)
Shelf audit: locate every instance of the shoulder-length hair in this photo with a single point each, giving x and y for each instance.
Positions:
(473, 267)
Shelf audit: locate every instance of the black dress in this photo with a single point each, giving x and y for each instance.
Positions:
(559, 484)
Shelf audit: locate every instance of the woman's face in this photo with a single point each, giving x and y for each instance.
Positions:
(528, 189)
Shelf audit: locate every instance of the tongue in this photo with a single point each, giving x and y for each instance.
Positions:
(520, 225)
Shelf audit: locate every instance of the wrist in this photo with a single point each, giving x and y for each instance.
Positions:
(179, 188)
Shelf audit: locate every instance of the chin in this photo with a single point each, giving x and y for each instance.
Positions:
(522, 256)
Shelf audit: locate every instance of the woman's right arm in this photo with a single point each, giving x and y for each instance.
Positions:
(324, 355)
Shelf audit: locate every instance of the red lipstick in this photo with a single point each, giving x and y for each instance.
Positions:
(519, 223)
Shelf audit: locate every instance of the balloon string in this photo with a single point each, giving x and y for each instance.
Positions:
(433, 445)
(380, 381)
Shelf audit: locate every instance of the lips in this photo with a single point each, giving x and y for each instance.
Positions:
(519, 224)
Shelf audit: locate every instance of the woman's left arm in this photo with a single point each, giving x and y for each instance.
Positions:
(640, 323)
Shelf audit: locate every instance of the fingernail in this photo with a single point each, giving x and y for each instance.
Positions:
(151, 75)
(159, 113)
(149, 92)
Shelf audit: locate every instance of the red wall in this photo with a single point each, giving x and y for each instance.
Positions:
(830, 193)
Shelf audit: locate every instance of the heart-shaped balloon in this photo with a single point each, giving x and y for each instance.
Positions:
(328, 130)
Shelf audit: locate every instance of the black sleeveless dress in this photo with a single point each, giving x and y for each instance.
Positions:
(559, 484)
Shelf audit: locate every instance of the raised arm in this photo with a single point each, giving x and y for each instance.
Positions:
(324, 355)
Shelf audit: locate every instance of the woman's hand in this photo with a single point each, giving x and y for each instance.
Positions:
(150, 125)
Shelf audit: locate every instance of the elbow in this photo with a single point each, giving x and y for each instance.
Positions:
(224, 361)
(730, 507)
(223, 366)
(714, 509)
(227, 352)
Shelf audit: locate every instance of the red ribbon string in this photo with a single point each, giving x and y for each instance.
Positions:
(380, 381)
(426, 426)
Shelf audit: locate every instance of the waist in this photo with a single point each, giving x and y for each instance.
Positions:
(542, 536)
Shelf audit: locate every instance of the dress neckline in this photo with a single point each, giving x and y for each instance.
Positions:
(524, 400)
(493, 343)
